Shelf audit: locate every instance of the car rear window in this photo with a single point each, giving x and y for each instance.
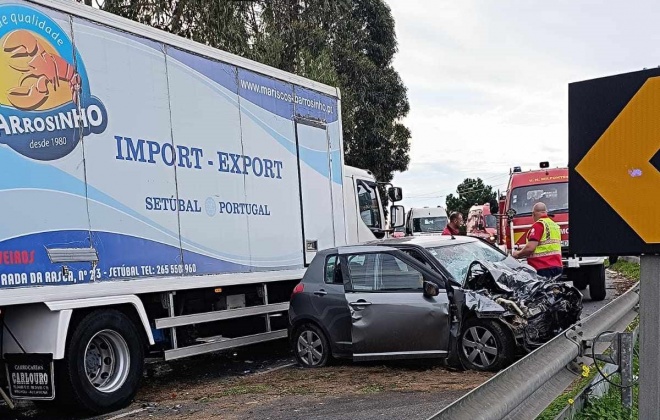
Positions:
(330, 264)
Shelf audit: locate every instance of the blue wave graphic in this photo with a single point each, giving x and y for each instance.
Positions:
(28, 174)
(120, 256)
(317, 160)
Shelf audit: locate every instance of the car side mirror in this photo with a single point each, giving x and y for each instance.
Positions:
(431, 289)
(395, 194)
(397, 217)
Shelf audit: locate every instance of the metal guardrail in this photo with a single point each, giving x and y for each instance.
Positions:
(502, 396)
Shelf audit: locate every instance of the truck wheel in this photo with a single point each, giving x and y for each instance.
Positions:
(596, 276)
(103, 364)
(580, 283)
(485, 345)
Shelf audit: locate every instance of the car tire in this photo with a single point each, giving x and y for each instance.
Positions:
(103, 363)
(595, 275)
(477, 336)
(311, 346)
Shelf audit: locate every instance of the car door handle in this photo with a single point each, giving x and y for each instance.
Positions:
(320, 292)
(360, 303)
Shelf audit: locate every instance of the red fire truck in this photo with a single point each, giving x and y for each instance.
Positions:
(549, 186)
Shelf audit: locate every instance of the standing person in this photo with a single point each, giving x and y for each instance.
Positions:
(455, 222)
(543, 248)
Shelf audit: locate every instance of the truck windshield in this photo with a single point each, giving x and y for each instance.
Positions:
(369, 204)
(491, 221)
(429, 224)
(555, 197)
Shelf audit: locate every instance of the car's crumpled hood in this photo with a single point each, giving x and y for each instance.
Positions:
(505, 277)
(541, 308)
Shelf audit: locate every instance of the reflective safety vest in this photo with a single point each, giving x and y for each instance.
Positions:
(550, 243)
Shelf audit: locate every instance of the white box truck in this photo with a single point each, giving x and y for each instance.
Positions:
(157, 196)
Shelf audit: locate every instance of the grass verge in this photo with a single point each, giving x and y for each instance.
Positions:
(609, 406)
(563, 400)
(627, 269)
(631, 271)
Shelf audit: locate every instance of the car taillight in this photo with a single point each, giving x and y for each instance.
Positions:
(298, 289)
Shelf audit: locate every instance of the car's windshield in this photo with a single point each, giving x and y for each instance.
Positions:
(457, 258)
(555, 197)
(429, 224)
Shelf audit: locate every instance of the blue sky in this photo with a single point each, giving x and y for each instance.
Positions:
(488, 81)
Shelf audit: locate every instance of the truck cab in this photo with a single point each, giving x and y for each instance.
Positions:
(550, 186)
(365, 209)
(481, 223)
(426, 220)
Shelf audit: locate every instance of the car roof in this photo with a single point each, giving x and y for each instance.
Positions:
(354, 249)
(391, 244)
(426, 241)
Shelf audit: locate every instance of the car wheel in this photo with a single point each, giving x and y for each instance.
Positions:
(485, 345)
(310, 346)
(103, 365)
(596, 277)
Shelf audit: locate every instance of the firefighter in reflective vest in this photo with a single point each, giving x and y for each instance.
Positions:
(543, 248)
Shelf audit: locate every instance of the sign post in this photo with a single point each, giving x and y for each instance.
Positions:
(614, 173)
(649, 339)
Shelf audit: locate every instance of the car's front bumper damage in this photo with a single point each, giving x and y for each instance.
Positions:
(534, 309)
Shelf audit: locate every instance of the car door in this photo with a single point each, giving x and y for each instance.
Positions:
(391, 318)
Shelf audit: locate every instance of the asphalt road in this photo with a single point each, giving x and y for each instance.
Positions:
(260, 382)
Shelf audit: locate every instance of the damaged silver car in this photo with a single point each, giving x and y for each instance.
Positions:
(425, 297)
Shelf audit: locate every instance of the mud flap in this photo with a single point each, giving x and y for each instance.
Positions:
(30, 376)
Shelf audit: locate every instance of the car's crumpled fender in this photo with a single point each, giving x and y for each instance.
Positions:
(541, 308)
(482, 305)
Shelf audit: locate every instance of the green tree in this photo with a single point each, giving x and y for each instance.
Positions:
(470, 192)
(374, 99)
(344, 43)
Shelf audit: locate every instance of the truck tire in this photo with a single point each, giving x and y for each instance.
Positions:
(103, 363)
(596, 276)
(581, 283)
(577, 277)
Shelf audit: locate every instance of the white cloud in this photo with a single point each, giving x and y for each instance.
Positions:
(488, 81)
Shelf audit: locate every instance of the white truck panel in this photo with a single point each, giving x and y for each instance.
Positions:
(67, 306)
(318, 215)
(38, 330)
(186, 166)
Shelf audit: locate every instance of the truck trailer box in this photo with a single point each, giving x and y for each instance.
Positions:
(157, 195)
(162, 161)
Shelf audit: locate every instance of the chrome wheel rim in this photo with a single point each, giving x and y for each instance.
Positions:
(310, 348)
(107, 361)
(480, 347)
